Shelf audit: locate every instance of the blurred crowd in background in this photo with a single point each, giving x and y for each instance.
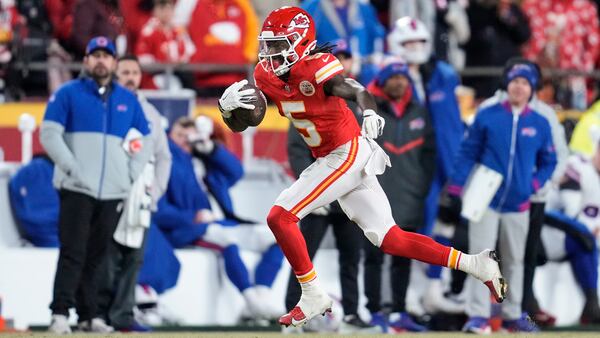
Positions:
(469, 34)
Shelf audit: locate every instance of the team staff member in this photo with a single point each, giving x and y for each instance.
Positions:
(84, 129)
(516, 142)
(118, 275)
(409, 141)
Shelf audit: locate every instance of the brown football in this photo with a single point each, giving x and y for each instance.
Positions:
(252, 117)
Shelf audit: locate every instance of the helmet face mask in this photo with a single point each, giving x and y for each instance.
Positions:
(277, 54)
(287, 36)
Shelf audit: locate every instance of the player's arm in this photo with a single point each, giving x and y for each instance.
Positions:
(350, 89)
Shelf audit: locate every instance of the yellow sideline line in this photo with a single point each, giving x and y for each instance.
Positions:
(10, 112)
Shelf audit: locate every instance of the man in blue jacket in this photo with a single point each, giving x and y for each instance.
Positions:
(199, 212)
(516, 142)
(95, 132)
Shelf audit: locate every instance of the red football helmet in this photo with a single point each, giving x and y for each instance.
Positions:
(287, 36)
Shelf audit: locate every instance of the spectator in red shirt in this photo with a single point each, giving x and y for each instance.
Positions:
(224, 32)
(9, 18)
(96, 18)
(60, 13)
(161, 41)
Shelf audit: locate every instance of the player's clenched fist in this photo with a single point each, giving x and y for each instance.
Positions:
(234, 98)
(372, 126)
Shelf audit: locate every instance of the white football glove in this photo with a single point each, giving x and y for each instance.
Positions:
(234, 98)
(372, 126)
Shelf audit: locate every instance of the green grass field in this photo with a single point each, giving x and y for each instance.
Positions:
(562, 334)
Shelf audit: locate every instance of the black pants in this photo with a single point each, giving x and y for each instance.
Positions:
(532, 249)
(117, 281)
(400, 275)
(460, 241)
(348, 238)
(85, 228)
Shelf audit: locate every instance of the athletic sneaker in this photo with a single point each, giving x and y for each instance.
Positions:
(544, 319)
(487, 270)
(403, 322)
(59, 325)
(135, 327)
(523, 324)
(96, 325)
(478, 325)
(380, 319)
(353, 324)
(310, 305)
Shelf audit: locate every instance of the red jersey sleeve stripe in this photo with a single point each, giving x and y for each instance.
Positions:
(326, 72)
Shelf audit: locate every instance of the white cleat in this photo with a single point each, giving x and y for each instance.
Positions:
(309, 306)
(59, 325)
(487, 270)
(96, 325)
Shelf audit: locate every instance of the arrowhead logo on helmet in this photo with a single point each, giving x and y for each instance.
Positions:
(287, 36)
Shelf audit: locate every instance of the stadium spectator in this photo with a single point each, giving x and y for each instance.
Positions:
(447, 20)
(264, 7)
(60, 14)
(516, 142)
(187, 217)
(224, 32)
(119, 272)
(434, 84)
(162, 42)
(565, 35)
(586, 129)
(12, 26)
(452, 31)
(348, 238)
(35, 202)
(95, 18)
(409, 141)
(424, 11)
(536, 212)
(499, 30)
(87, 123)
(353, 21)
(571, 231)
(135, 15)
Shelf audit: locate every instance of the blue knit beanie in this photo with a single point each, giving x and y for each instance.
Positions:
(528, 72)
(390, 70)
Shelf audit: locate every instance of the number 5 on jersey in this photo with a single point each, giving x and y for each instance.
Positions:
(305, 127)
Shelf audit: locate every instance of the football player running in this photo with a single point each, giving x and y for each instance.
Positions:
(306, 84)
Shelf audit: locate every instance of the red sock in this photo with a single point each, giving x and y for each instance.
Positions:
(398, 242)
(284, 226)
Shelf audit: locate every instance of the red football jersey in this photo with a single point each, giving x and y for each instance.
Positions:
(325, 122)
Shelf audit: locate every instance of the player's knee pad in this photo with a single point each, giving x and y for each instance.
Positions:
(376, 234)
(278, 218)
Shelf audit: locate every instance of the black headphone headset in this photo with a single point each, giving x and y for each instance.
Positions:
(516, 61)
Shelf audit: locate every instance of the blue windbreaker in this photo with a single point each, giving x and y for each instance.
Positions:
(519, 147)
(184, 196)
